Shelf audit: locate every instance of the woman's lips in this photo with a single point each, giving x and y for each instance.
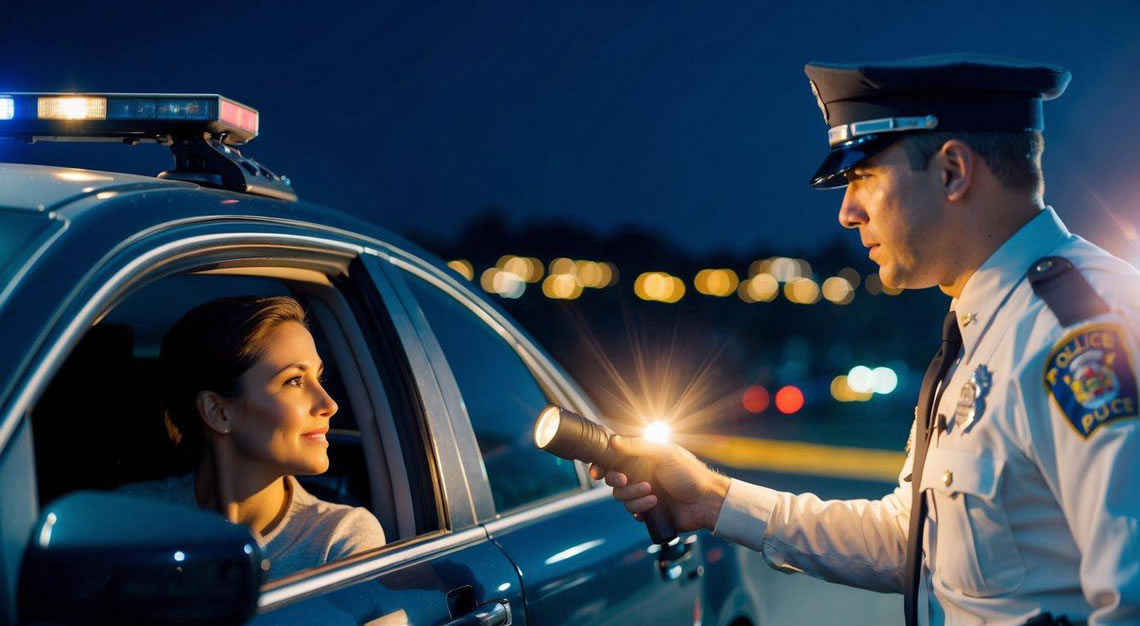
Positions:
(317, 437)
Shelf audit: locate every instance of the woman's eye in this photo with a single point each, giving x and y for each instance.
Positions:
(295, 381)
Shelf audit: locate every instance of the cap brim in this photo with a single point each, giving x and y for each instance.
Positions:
(832, 173)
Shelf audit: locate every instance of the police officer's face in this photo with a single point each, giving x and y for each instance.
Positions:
(899, 217)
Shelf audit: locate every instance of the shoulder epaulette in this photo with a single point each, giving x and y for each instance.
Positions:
(1065, 291)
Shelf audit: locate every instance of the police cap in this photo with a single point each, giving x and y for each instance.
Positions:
(868, 106)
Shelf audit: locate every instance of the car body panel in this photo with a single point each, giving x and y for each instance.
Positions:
(580, 558)
(586, 561)
(412, 591)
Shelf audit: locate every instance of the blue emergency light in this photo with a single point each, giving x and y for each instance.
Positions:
(200, 129)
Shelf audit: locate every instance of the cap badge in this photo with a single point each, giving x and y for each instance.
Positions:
(819, 101)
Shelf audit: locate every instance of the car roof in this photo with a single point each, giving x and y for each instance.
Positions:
(85, 195)
(41, 189)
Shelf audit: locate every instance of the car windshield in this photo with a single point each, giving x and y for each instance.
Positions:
(20, 235)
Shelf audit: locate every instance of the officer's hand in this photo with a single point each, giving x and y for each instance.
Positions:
(696, 491)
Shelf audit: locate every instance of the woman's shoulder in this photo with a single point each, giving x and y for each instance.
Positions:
(348, 529)
(174, 489)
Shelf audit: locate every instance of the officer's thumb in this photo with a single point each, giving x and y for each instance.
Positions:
(636, 446)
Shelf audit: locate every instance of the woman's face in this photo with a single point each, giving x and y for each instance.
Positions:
(282, 415)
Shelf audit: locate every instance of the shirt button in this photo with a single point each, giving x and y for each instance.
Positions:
(948, 478)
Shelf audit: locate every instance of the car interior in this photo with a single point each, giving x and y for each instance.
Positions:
(100, 423)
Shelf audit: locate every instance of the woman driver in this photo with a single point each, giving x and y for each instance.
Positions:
(242, 388)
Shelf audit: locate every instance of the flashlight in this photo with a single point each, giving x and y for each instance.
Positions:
(570, 436)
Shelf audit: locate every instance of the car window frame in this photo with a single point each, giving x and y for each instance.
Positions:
(183, 248)
(553, 381)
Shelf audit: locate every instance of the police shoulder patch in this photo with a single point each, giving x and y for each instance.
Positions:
(1089, 375)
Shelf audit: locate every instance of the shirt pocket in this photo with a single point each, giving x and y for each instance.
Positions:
(975, 554)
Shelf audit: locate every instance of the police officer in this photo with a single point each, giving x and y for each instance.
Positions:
(1017, 496)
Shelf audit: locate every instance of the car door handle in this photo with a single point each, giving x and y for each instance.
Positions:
(671, 559)
(497, 613)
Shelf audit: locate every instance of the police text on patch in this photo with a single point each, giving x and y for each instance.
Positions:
(1090, 376)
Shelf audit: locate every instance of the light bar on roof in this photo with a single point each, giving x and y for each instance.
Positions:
(132, 117)
(71, 108)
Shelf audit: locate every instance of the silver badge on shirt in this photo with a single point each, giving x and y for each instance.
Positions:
(972, 399)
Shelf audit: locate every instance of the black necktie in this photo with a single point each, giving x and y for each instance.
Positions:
(924, 425)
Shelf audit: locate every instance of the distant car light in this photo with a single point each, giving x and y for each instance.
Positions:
(7, 108)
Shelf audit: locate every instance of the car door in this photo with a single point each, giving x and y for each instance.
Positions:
(582, 557)
(447, 569)
(449, 575)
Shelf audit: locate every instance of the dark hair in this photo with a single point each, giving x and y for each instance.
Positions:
(1013, 157)
(208, 349)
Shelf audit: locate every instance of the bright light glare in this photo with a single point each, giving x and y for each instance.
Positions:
(861, 379)
(885, 380)
(179, 556)
(71, 108)
(547, 426)
(7, 108)
(658, 432)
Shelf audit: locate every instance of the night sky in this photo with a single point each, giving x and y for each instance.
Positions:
(693, 120)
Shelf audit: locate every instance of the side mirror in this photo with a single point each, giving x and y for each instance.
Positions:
(110, 558)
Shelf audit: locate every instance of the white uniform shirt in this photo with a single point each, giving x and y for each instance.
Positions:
(1030, 509)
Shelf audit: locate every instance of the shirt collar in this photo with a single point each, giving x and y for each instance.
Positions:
(986, 291)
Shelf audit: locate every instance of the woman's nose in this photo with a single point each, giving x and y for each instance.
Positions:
(325, 406)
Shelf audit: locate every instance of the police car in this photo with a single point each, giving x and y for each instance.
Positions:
(438, 390)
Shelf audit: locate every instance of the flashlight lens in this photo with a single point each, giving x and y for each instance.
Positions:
(657, 432)
(547, 426)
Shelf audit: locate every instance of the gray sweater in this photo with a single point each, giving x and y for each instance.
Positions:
(312, 533)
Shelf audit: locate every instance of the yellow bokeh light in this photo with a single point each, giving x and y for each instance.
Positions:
(718, 282)
(659, 286)
(609, 274)
(838, 290)
(536, 269)
(763, 288)
(463, 267)
(505, 284)
(802, 291)
(676, 289)
(526, 268)
(561, 287)
(590, 274)
(786, 270)
(487, 279)
(842, 391)
(563, 265)
(851, 275)
(742, 291)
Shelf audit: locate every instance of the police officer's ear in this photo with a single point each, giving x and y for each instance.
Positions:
(955, 164)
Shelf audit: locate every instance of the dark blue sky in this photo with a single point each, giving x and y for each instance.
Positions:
(691, 119)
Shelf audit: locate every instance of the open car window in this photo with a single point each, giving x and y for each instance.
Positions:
(100, 422)
(502, 398)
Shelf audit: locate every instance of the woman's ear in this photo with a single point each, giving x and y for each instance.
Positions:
(212, 409)
(956, 162)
